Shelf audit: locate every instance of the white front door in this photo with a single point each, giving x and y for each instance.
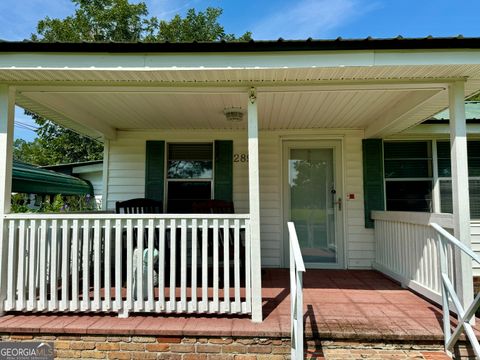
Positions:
(313, 194)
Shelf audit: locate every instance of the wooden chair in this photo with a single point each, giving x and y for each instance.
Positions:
(221, 207)
(213, 207)
(139, 206)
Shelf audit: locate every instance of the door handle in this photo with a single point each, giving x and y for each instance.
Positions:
(339, 203)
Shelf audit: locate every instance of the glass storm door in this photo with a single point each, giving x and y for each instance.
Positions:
(314, 200)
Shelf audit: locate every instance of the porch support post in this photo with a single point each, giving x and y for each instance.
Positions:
(254, 201)
(7, 111)
(105, 172)
(460, 193)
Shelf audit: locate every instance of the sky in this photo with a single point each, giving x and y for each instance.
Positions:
(271, 19)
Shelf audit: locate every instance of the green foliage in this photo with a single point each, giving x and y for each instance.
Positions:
(59, 203)
(54, 205)
(96, 20)
(121, 21)
(30, 152)
(19, 203)
(201, 26)
(56, 145)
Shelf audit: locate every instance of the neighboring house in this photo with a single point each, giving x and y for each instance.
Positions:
(90, 171)
(321, 133)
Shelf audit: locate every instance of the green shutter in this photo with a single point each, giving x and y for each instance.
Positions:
(223, 170)
(373, 178)
(154, 170)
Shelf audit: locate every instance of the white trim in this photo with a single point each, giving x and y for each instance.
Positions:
(436, 206)
(105, 173)
(103, 216)
(460, 190)
(85, 169)
(417, 218)
(251, 60)
(254, 205)
(7, 118)
(311, 86)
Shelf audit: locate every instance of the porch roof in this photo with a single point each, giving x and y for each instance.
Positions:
(380, 85)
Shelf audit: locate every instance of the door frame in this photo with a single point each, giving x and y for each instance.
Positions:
(318, 143)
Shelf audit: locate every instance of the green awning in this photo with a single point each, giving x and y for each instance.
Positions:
(30, 179)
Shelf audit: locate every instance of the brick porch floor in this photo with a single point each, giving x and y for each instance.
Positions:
(339, 304)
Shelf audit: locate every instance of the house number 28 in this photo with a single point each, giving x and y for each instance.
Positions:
(240, 158)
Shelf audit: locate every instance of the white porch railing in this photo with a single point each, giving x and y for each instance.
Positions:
(128, 263)
(445, 239)
(297, 268)
(406, 249)
(415, 249)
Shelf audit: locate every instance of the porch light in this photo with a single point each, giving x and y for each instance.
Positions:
(233, 114)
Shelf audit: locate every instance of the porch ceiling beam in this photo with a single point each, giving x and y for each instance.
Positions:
(236, 60)
(398, 116)
(242, 87)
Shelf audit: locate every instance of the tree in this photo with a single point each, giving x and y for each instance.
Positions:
(96, 20)
(120, 21)
(109, 20)
(201, 26)
(56, 145)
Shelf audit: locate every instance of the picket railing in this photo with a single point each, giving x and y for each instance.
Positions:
(297, 268)
(128, 263)
(417, 250)
(406, 249)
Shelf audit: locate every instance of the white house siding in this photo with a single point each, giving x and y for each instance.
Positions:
(95, 178)
(126, 172)
(475, 240)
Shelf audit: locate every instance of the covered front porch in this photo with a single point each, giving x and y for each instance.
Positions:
(310, 98)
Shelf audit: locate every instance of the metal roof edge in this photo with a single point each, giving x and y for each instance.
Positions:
(398, 43)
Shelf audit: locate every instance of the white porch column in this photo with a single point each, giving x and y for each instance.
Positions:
(460, 193)
(7, 111)
(254, 201)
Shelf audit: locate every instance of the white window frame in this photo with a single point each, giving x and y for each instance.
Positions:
(436, 195)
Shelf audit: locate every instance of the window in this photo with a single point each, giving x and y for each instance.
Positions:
(445, 177)
(410, 179)
(408, 175)
(189, 175)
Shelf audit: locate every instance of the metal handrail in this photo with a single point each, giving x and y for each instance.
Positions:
(297, 268)
(448, 291)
